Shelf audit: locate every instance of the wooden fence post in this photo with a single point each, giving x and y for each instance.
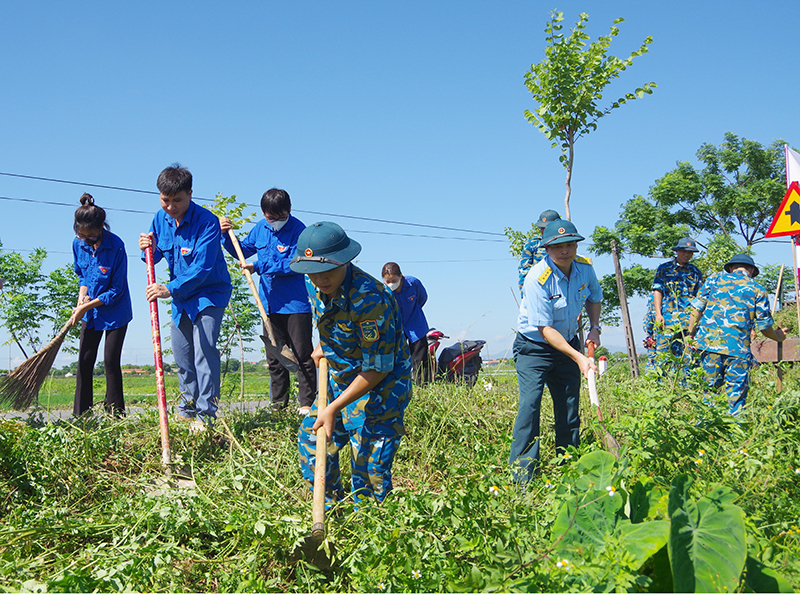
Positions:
(633, 359)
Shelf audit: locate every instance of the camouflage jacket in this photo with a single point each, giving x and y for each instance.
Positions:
(361, 329)
(732, 306)
(679, 284)
(532, 253)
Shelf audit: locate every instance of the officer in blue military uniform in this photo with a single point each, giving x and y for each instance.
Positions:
(547, 349)
(729, 307)
(649, 329)
(675, 284)
(361, 335)
(533, 251)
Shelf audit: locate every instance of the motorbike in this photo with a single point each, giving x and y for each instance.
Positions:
(458, 363)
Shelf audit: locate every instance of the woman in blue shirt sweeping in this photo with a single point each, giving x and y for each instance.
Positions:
(411, 296)
(104, 304)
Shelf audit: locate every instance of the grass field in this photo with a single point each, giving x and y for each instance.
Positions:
(83, 511)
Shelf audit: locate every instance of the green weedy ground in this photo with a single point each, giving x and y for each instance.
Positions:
(79, 511)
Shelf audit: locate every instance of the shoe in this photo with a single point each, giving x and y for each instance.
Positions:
(197, 426)
(303, 411)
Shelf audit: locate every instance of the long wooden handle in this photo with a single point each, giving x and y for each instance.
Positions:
(166, 453)
(592, 377)
(253, 288)
(778, 290)
(318, 509)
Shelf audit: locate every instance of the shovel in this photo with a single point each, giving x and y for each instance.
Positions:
(282, 353)
(610, 443)
(315, 548)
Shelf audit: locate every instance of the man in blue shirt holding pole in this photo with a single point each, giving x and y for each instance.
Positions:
(547, 349)
(189, 237)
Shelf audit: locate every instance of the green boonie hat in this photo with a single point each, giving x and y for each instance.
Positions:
(687, 244)
(560, 231)
(741, 259)
(546, 217)
(322, 247)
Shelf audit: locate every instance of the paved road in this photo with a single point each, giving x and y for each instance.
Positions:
(59, 415)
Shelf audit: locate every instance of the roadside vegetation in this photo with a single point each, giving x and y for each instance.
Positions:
(698, 501)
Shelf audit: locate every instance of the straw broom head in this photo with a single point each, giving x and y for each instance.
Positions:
(21, 387)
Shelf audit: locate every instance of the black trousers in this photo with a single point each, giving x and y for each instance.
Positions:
(87, 355)
(420, 360)
(294, 330)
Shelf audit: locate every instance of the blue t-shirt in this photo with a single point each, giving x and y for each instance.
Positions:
(281, 289)
(104, 272)
(198, 275)
(550, 299)
(412, 297)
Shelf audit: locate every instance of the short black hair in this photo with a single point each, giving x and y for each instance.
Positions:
(174, 180)
(276, 202)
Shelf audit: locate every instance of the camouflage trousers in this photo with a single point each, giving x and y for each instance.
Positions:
(731, 371)
(371, 458)
(671, 354)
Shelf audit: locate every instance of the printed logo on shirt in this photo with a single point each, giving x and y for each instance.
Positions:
(104, 270)
(185, 251)
(283, 248)
(369, 330)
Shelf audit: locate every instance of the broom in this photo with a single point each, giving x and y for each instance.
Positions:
(21, 387)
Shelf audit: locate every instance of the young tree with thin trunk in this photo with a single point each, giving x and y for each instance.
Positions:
(569, 82)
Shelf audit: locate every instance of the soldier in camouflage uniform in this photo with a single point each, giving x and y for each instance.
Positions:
(675, 285)
(533, 251)
(649, 341)
(361, 335)
(729, 307)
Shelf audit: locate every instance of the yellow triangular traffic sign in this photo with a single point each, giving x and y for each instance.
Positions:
(787, 219)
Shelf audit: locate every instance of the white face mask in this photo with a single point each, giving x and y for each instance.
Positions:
(395, 285)
(278, 225)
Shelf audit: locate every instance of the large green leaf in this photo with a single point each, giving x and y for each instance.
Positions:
(707, 540)
(592, 513)
(763, 580)
(643, 540)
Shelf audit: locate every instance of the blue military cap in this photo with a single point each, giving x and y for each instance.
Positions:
(546, 217)
(741, 259)
(322, 247)
(686, 243)
(560, 231)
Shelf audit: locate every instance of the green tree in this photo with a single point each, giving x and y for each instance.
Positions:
(241, 318)
(61, 293)
(729, 200)
(568, 84)
(22, 302)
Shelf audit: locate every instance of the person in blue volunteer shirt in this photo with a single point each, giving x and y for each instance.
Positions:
(547, 349)
(104, 305)
(361, 335)
(411, 296)
(189, 237)
(283, 293)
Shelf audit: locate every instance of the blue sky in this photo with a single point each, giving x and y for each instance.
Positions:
(405, 111)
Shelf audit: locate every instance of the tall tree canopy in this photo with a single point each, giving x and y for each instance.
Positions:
(728, 201)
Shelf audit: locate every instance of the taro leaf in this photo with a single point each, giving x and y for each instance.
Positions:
(643, 540)
(763, 580)
(597, 470)
(597, 510)
(707, 540)
(647, 501)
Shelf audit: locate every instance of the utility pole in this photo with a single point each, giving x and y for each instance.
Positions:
(633, 359)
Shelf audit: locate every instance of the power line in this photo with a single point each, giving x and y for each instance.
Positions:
(311, 212)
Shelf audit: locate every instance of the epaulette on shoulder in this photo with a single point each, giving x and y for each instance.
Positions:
(545, 274)
(583, 259)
